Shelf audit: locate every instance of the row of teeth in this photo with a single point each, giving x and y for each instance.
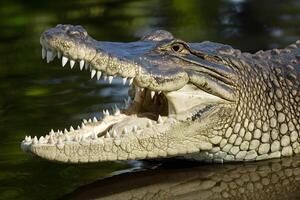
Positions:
(152, 93)
(50, 138)
(110, 134)
(50, 55)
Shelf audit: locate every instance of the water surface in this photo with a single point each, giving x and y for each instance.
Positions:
(36, 97)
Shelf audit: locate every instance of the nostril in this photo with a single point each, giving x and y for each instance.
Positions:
(74, 33)
(47, 35)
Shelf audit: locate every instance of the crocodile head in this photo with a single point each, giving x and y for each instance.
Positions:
(182, 96)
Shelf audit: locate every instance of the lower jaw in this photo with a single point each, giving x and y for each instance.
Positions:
(85, 146)
(119, 125)
(123, 135)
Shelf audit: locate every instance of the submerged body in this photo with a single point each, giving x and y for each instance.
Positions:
(201, 101)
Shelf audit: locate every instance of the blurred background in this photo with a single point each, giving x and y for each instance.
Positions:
(36, 96)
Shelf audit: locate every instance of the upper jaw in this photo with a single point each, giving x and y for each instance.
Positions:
(134, 61)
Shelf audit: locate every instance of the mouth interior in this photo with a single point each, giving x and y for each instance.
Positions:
(150, 104)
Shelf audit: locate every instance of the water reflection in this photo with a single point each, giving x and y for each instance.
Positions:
(36, 97)
(268, 180)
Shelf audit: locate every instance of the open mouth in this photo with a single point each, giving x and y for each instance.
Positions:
(144, 109)
(148, 114)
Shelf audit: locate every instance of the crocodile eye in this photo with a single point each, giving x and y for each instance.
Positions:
(177, 47)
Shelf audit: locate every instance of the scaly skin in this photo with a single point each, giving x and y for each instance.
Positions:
(211, 102)
(267, 180)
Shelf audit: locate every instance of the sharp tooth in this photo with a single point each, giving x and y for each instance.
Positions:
(124, 80)
(125, 131)
(59, 55)
(65, 131)
(64, 60)
(160, 120)
(99, 75)
(135, 128)
(159, 92)
(71, 128)
(81, 64)
(93, 73)
(127, 102)
(51, 140)
(41, 139)
(72, 63)
(117, 110)
(90, 120)
(85, 121)
(82, 125)
(115, 134)
(44, 53)
(130, 81)
(49, 56)
(86, 65)
(110, 78)
(152, 94)
(149, 123)
(107, 135)
(95, 119)
(142, 89)
(28, 139)
(78, 127)
(35, 140)
(106, 112)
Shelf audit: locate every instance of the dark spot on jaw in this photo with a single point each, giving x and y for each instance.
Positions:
(199, 113)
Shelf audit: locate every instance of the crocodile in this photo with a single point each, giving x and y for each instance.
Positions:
(275, 179)
(199, 101)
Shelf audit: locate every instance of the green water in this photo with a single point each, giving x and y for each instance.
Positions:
(36, 96)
